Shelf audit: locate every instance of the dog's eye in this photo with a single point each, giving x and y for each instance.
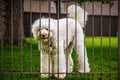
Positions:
(39, 29)
(47, 29)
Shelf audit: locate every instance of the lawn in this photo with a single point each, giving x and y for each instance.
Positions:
(102, 55)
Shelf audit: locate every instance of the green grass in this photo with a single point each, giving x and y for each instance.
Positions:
(102, 56)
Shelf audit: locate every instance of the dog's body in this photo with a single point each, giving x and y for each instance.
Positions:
(56, 40)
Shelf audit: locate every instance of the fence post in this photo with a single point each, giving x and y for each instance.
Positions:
(58, 8)
(119, 39)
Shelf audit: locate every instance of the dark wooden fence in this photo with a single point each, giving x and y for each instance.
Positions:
(107, 22)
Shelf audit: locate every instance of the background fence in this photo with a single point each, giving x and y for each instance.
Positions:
(97, 25)
(19, 54)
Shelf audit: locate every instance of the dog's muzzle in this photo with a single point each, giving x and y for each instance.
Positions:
(44, 36)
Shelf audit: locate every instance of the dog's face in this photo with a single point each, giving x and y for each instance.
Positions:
(44, 33)
(44, 29)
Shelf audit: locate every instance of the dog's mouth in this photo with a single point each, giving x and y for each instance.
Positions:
(44, 37)
(46, 41)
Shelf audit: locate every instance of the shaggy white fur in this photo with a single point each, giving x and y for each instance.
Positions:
(81, 15)
(54, 39)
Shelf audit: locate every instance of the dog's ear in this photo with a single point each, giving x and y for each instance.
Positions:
(38, 29)
(38, 33)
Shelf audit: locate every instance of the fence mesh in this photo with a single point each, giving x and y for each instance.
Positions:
(21, 55)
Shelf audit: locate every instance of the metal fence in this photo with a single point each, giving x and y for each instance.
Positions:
(20, 58)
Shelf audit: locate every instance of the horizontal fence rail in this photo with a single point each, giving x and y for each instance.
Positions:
(42, 39)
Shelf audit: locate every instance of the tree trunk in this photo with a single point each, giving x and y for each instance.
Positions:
(14, 33)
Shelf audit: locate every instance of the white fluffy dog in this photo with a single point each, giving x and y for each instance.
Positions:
(56, 42)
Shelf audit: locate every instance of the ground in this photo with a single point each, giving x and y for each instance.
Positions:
(102, 55)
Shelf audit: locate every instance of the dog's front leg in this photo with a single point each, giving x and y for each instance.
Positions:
(60, 61)
(46, 65)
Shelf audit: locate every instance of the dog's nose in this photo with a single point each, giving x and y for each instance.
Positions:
(43, 36)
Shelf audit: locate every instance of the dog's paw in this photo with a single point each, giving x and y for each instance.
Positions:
(70, 69)
(44, 75)
(60, 76)
(87, 70)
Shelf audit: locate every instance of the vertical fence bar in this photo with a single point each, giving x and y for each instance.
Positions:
(67, 54)
(84, 42)
(93, 17)
(58, 16)
(1, 68)
(11, 39)
(49, 61)
(30, 39)
(110, 41)
(40, 32)
(118, 39)
(76, 62)
(101, 35)
(21, 48)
